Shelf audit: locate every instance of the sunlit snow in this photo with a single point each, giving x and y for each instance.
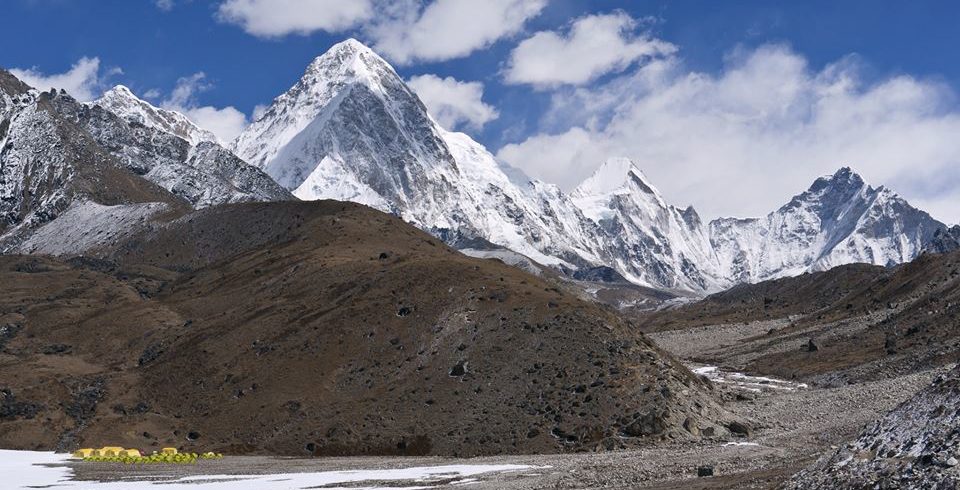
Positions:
(31, 469)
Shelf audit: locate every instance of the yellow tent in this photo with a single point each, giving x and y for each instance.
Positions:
(168, 450)
(84, 453)
(110, 451)
(130, 453)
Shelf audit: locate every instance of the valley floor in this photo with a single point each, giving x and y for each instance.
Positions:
(795, 425)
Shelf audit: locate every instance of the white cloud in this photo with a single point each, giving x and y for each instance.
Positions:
(453, 103)
(275, 18)
(741, 142)
(258, 111)
(83, 80)
(164, 5)
(448, 29)
(226, 122)
(593, 46)
(404, 31)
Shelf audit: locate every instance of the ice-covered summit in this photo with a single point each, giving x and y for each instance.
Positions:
(840, 219)
(121, 101)
(351, 129)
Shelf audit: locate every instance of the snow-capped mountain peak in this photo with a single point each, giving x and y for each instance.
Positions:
(351, 129)
(617, 175)
(838, 220)
(121, 101)
(652, 241)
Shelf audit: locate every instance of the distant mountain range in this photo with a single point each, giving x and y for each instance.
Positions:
(351, 129)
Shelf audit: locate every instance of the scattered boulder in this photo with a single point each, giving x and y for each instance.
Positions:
(57, 349)
(150, 354)
(704, 471)
(912, 447)
(812, 346)
(739, 428)
(11, 409)
(648, 424)
(459, 369)
(8, 332)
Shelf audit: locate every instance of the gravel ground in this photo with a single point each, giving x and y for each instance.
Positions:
(791, 430)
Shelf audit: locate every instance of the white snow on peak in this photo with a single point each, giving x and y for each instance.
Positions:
(121, 101)
(839, 220)
(617, 175)
(351, 129)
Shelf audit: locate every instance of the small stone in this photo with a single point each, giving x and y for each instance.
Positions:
(952, 461)
(739, 428)
(459, 369)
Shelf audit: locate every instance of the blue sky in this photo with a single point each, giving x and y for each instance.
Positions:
(558, 129)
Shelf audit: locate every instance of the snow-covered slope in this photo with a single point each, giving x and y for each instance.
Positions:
(61, 158)
(169, 150)
(839, 220)
(653, 243)
(121, 101)
(47, 163)
(350, 128)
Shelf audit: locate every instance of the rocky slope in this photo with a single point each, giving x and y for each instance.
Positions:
(849, 324)
(944, 240)
(122, 102)
(913, 447)
(59, 156)
(48, 164)
(356, 334)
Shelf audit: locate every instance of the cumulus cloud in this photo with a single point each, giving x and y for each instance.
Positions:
(404, 31)
(741, 142)
(226, 122)
(448, 29)
(83, 80)
(164, 5)
(453, 103)
(593, 45)
(275, 18)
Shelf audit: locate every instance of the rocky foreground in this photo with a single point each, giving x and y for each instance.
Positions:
(915, 446)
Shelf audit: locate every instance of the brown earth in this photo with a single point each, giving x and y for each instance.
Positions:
(323, 328)
(865, 322)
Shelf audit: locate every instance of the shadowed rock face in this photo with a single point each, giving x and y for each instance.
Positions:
(59, 153)
(914, 446)
(944, 240)
(327, 328)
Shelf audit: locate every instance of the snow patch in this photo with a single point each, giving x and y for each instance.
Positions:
(31, 469)
(86, 225)
(746, 382)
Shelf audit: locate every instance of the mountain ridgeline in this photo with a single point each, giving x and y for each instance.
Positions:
(351, 129)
